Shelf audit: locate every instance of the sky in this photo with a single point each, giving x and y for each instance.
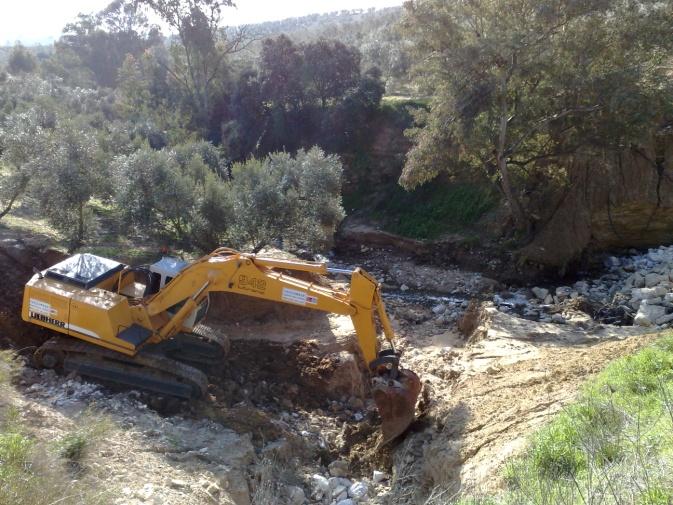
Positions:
(41, 21)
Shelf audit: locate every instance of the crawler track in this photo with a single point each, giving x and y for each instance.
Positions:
(151, 369)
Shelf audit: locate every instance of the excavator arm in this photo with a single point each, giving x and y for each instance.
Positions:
(395, 389)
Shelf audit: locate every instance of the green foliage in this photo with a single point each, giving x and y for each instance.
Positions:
(21, 60)
(100, 43)
(70, 174)
(427, 212)
(33, 472)
(92, 428)
(519, 87)
(9, 367)
(179, 193)
(295, 202)
(154, 191)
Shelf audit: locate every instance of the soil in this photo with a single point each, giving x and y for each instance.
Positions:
(293, 390)
(17, 261)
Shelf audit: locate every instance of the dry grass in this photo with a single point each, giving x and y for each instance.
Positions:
(45, 472)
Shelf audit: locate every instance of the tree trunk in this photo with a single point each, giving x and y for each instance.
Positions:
(518, 212)
(10, 204)
(80, 227)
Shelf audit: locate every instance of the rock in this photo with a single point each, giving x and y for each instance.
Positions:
(346, 378)
(653, 279)
(356, 403)
(638, 280)
(338, 468)
(613, 262)
(146, 492)
(295, 495)
(648, 314)
(439, 309)
(320, 484)
(278, 450)
(404, 287)
(340, 493)
(233, 481)
(358, 491)
(558, 319)
(178, 484)
(347, 501)
(378, 476)
(336, 482)
(648, 293)
(582, 287)
(664, 319)
(540, 293)
(549, 299)
(563, 292)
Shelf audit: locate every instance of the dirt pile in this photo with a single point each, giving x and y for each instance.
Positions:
(147, 458)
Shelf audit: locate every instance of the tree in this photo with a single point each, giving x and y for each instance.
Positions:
(70, 174)
(199, 60)
(241, 135)
(294, 202)
(281, 65)
(22, 138)
(331, 68)
(102, 42)
(520, 86)
(154, 193)
(21, 60)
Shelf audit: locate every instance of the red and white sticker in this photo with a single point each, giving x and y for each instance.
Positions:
(298, 297)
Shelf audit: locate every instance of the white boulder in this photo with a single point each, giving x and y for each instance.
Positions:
(648, 314)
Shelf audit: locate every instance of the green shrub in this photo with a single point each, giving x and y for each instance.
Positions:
(429, 211)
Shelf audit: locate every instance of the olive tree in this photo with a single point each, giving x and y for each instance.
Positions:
(22, 140)
(69, 173)
(293, 202)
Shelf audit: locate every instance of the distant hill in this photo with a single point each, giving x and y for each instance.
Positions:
(373, 31)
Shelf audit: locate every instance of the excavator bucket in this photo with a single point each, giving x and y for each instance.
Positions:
(396, 402)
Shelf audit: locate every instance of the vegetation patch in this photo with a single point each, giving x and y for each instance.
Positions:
(430, 211)
(614, 445)
(33, 472)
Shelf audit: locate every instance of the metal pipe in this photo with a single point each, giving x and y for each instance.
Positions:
(344, 271)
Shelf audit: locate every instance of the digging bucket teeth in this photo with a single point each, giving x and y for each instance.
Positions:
(395, 391)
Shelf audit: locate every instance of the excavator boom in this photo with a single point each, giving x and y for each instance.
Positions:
(104, 303)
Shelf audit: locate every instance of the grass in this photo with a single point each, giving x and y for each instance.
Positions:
(614, 445)
(37, 472)
(431, 210)
(31, 225)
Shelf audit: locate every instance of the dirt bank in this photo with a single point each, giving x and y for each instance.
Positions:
(490, 393)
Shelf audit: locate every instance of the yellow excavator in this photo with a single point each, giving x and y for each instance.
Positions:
(139, 326)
